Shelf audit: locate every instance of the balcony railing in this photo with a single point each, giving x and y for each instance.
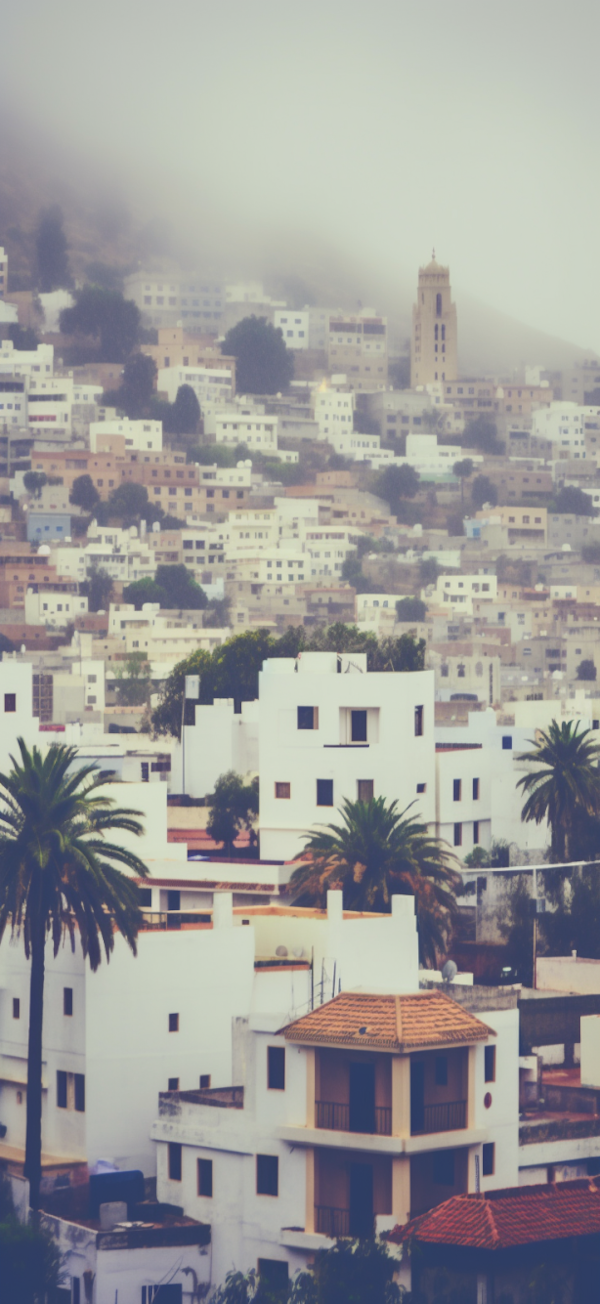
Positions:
(446, 1117)
(332, 1222)
(331, 1114)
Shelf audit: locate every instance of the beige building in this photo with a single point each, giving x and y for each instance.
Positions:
(176, 348)
(358, 349)
(433, 348)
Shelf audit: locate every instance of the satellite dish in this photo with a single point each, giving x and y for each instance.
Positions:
(298, 952)
(282, 951)
(449, 971)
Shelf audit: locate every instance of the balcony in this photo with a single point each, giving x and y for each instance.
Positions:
(449, 1116)
(337, 1117)
(332, 1222)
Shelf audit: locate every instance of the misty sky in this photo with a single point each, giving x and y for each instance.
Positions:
(382, 128)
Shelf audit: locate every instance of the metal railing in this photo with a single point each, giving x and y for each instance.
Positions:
(336, 1116)
(332, 1222)
(446, 1117)
(167, 920)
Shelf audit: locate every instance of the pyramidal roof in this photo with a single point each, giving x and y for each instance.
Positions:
(392, 1023)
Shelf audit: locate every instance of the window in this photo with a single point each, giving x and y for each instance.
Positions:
(457, 789)
(475, 789)
(506, 743)
(267, 1175)
(174, 1161)
(61, 1089)
(10, 700)
(145, 896)
(174, 899)
(358, 728)
(79, 1093)
(418, 721)
(443, 1167)
(458, 835)
(173, 1084)
(75, 1290)
(275, 1273)
(308, 717)
(421, 787)
(68, 1001)
(324, 792)
(205, 1177)
(173, 1023)
(365, 789)
(475, 832)
(205, 1081)
(441, 1070)
(276, 1068)
(488, 1158)
(16, 1008)
(283, 790)
(490, 1063)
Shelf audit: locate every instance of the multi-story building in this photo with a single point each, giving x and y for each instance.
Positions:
(294, 327)
(434, 345)
(213, 382)
(176, 348)
(246, 426)
(357, 347)
(329, 730)
(334, 412)
(138, 435)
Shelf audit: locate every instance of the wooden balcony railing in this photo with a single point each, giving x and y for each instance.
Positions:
(446, 1117)
(331, 1114)
(332, 1222)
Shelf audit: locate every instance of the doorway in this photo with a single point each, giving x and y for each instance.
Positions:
(362, 1097)
(361, 1200)
(417, 1096)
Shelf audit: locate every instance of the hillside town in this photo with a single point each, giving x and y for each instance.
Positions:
(300, 637)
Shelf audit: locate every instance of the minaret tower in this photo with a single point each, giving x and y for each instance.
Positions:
(433, 346)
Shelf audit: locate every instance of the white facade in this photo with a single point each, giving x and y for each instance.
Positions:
(327, 762)
(334, 413)
(254, 429)
(53, 609)
(565, 424)
(294, 327)
(208, 383)
(139, 435)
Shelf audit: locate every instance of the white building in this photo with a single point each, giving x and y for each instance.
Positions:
(139, 435)
(255, 429)
(53, 609)
(362, 1111)
(460, 590)
(334, 412)
(328, 731)
(568, 426)
(294, 327)
(39, 361)
(210, 384)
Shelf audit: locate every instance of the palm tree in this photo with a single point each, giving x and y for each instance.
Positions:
(59, 874)
(376, 852)
(565, 788)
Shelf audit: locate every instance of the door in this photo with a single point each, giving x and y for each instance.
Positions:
(361, 1200)
(362, 1097)
(417, 1096)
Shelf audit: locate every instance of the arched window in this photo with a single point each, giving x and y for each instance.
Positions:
(438, 305)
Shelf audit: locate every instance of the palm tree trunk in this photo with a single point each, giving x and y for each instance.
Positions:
(33, 1140)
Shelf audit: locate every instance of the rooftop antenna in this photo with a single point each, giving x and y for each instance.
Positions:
(433, 254)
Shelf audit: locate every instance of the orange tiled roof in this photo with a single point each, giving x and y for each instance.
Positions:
(395, 1023)
(519, 1215)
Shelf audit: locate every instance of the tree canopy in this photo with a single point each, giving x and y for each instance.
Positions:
(53, 271)
(233, 807)
(114, 322)
(410, 609)
(483, 491)
(395, 483)
(84, 493)
(264, 364)
(172, 586)
(572, 501)
(482, 433)
(98, 589)
(186, 412)
(23, 337)
(563, 785)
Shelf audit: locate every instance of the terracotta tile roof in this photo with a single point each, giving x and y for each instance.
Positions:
(519, 1215)
(395, 1023)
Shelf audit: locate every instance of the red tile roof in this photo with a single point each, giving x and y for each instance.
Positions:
(519, 1215)
(394, 1023)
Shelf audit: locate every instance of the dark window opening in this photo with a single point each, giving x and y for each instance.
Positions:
(441, 1070)
(145, 896)
(490, 1063)
(443, 1167)
(205, 1081)
(458, 835)
(173, 1084)
(10, 702)
(308, 717)
(275, 1273)
(205, 1177)
(475, 789)
(16, 1008)
(173, 900)
(359, 726)
(324, 792)
(67, 1000)
(276, 1068)
(267, 1175)
(173, 1023)
(418, 721)
(488, 1158)
(365, 789)
(80, 1093)
(456, 789)
(174, 1161)
(61, 1089)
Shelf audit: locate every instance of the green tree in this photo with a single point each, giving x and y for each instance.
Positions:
(24, 338)
(590, 553)
(146, 590)
(137, 387)
(483, 491)
(114, 322)
(186, 412)
(352, 572)
(395, 483)
(586, 670)
(133, 680)
(264, 364)
(53, 272)
(128, 502)
(564, 786)
(428, 571)
(482, 433)
(399, 373)
(181, 588)
(34, 482)
(97, 589)
(233, 807)
(60, 873)
(84, 493)
(410, 609)
(572, 501)
(365, 424)
(478, 858)
(376, 852)
(463, 470)
(30, 1268)
(217, 613)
